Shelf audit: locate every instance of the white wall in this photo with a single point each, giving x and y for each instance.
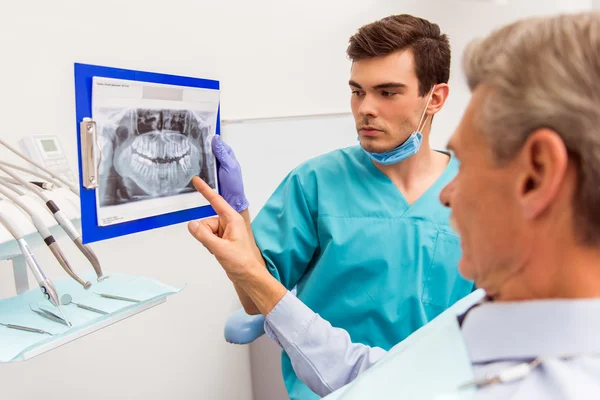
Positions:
(464, 20)
(273, 58)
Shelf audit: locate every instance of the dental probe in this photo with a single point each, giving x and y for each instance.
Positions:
(25, 328)
(114, 297)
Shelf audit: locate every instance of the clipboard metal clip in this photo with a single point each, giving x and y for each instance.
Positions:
(90, 153)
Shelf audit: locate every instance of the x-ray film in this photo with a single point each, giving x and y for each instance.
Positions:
(154, 139)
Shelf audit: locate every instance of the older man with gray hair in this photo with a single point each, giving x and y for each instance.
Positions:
(526, 205)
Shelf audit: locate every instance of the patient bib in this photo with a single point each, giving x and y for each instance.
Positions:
(430, 364)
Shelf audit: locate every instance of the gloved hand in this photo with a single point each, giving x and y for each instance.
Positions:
(230, 175)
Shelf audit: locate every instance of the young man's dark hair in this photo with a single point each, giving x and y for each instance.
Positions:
(430, 48)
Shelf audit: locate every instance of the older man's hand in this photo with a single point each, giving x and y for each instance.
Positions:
(226, 237)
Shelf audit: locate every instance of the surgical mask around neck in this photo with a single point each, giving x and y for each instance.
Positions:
(407, 149)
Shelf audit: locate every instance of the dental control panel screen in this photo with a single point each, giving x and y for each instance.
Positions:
(49, 145)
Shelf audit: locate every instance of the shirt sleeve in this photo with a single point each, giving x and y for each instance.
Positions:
(322, 356)
(285, 229)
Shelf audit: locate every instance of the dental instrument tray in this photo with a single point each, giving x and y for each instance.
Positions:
(30, 324)
(28, 329)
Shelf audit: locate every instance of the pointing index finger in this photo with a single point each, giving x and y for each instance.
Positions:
(216, 201)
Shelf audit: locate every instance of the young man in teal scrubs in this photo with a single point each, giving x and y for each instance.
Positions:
(360, 231)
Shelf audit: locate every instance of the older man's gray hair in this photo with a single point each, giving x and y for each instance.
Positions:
(545, 73)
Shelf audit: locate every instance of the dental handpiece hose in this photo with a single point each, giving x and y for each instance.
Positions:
(45, 284)
(68, 184)
(45, 233)
(62, 219)
(49, 180)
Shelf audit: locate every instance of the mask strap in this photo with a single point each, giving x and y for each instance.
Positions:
(419, 127)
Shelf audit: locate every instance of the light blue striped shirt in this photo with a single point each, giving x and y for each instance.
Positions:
(496, 335)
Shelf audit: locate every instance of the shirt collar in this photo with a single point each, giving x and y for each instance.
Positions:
(530, 329)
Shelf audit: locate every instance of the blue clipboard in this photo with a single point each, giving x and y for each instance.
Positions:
(91, 232)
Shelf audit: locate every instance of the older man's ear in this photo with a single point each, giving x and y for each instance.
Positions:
(542, 171)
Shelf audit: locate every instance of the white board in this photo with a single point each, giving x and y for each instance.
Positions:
(268, 149)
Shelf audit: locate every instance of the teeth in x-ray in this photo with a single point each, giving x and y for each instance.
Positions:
(159, 162)
(157, 149)
(134, 161)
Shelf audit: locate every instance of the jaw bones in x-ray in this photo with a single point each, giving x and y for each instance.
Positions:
(160, 163)
(161, 155)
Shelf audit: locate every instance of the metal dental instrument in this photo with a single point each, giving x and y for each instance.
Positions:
(44, 232)
(510, 374)
(74, 188)
(66, 299)
(63, 221)
(26, 328)
(51, 316)
(112, 296)
(45, 284)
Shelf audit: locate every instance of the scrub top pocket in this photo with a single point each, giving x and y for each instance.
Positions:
(443, 284)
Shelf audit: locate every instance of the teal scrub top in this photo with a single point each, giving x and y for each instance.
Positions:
(360, 255)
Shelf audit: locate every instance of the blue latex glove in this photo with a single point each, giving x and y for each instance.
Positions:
(230, 175)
